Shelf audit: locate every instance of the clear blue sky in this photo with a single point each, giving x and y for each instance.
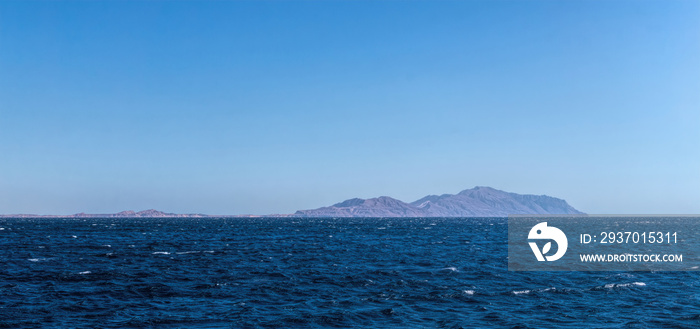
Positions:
(230, 107)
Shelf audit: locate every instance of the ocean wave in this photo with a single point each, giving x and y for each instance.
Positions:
(39, 259)
(623, 285)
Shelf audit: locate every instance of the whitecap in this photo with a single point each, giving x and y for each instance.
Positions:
(74, 237)
(613, 285)
(469, 292)
(161, 253)
(521, 292)
(39, 259)
(187, 252)
(694, 268)
(84, 272)
(2, 228)
(638, 284)
(451, 268)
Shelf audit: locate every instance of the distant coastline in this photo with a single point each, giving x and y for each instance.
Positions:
(150, 213)
(479, 201)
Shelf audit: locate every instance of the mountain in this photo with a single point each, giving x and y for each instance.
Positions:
(480, 201)
(383, 206)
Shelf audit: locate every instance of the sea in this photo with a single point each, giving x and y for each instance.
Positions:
(310, 273)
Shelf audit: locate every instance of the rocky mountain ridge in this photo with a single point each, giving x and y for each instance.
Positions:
(480, 201)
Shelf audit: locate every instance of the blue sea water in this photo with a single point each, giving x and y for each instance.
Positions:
(310, 273)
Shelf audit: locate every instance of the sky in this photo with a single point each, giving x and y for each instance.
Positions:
(262, 107)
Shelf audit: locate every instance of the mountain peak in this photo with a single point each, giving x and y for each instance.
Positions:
(481, 189)
(350, 203)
